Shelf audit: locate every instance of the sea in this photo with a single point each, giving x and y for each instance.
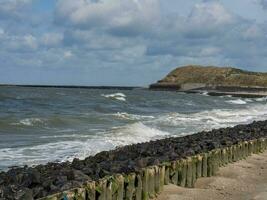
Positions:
(40, 125)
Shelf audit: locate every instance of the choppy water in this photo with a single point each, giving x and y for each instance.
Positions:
(38, 125)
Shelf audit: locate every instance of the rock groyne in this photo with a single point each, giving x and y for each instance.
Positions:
(137, 171)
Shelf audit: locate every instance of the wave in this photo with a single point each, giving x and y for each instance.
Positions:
(216, 118)
(30, 122)
(54, 151)
(134, 133)
(248, 100)
(127, 116)
(261, 99)
(79, 148)
(205, 93)
(237, 101)
(116, 96)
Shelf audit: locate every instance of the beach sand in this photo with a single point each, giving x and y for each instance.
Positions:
(243, 180)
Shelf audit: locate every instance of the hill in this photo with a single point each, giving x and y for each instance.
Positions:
(210, 77)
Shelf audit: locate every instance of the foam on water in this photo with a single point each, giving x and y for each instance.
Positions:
(89, 145)
(205, 93)
(29, 122)
(44, 126)
(80, 145)
(215, 118)
(248, 100)
(116, 96)
(134, 133)
(54, 151)
(262, 99)
(127, 116)
(237, 101)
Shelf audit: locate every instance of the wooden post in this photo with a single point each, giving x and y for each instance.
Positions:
(90, 190)
(189, 172)
(101, 189)
(199, 166)
(130, 188)
(182, 173)
(145, 182)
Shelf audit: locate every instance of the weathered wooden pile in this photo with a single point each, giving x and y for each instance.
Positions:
(149, 182)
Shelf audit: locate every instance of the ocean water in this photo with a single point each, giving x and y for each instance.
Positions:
(38, 125)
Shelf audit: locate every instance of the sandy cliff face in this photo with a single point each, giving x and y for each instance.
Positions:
(195, 76)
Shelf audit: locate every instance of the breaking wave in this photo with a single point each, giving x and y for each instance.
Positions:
(237, 101)
(116, 96)
(80, 148)
(30, 122)
(127, 116)
(262, 99)
(215, 118)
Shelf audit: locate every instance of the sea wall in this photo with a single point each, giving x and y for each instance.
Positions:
(136, 171)
(149, 182)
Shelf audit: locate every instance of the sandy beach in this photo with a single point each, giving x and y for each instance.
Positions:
(243, 180)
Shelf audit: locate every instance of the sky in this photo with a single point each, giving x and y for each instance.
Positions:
(126, 42)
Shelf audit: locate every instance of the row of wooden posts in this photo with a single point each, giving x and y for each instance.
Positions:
(149, 182)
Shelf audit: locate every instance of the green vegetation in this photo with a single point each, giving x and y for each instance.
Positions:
(213, 76)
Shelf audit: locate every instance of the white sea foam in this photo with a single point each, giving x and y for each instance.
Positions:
(80, 148)
(57, 151)
(261, 99)
(205, 93)
(215, 118)
(237, 101)
(248, 100)
(75, 136)
(134, 133)
(29, 122)
(127, 116)
(117, 96)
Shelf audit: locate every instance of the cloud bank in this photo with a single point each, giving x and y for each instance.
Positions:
(125, 42)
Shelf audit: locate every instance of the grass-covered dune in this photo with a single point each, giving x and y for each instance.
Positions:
(196, 76)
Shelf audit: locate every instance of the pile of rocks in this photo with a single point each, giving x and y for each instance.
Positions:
(42, 180)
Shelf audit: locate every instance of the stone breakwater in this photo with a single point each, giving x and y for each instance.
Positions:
(137, 171)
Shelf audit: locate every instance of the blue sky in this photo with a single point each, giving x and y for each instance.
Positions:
(126, 42)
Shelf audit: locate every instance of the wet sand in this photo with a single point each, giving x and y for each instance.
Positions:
(243, 180)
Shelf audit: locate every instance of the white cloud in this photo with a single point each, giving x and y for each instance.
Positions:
(117, 16)
(19, 43)
(30, 41)
(210, 51)
(2, 32)
(13, 4)
(210, 13)
(130, 35)
(51, 39)
(254, 32)
(68, 54)
(12, 8)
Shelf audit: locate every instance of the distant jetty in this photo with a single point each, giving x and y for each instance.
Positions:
(74, 86)
(214, 81)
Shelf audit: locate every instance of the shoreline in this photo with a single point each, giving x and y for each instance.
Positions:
(44, 180)
(246, 179)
